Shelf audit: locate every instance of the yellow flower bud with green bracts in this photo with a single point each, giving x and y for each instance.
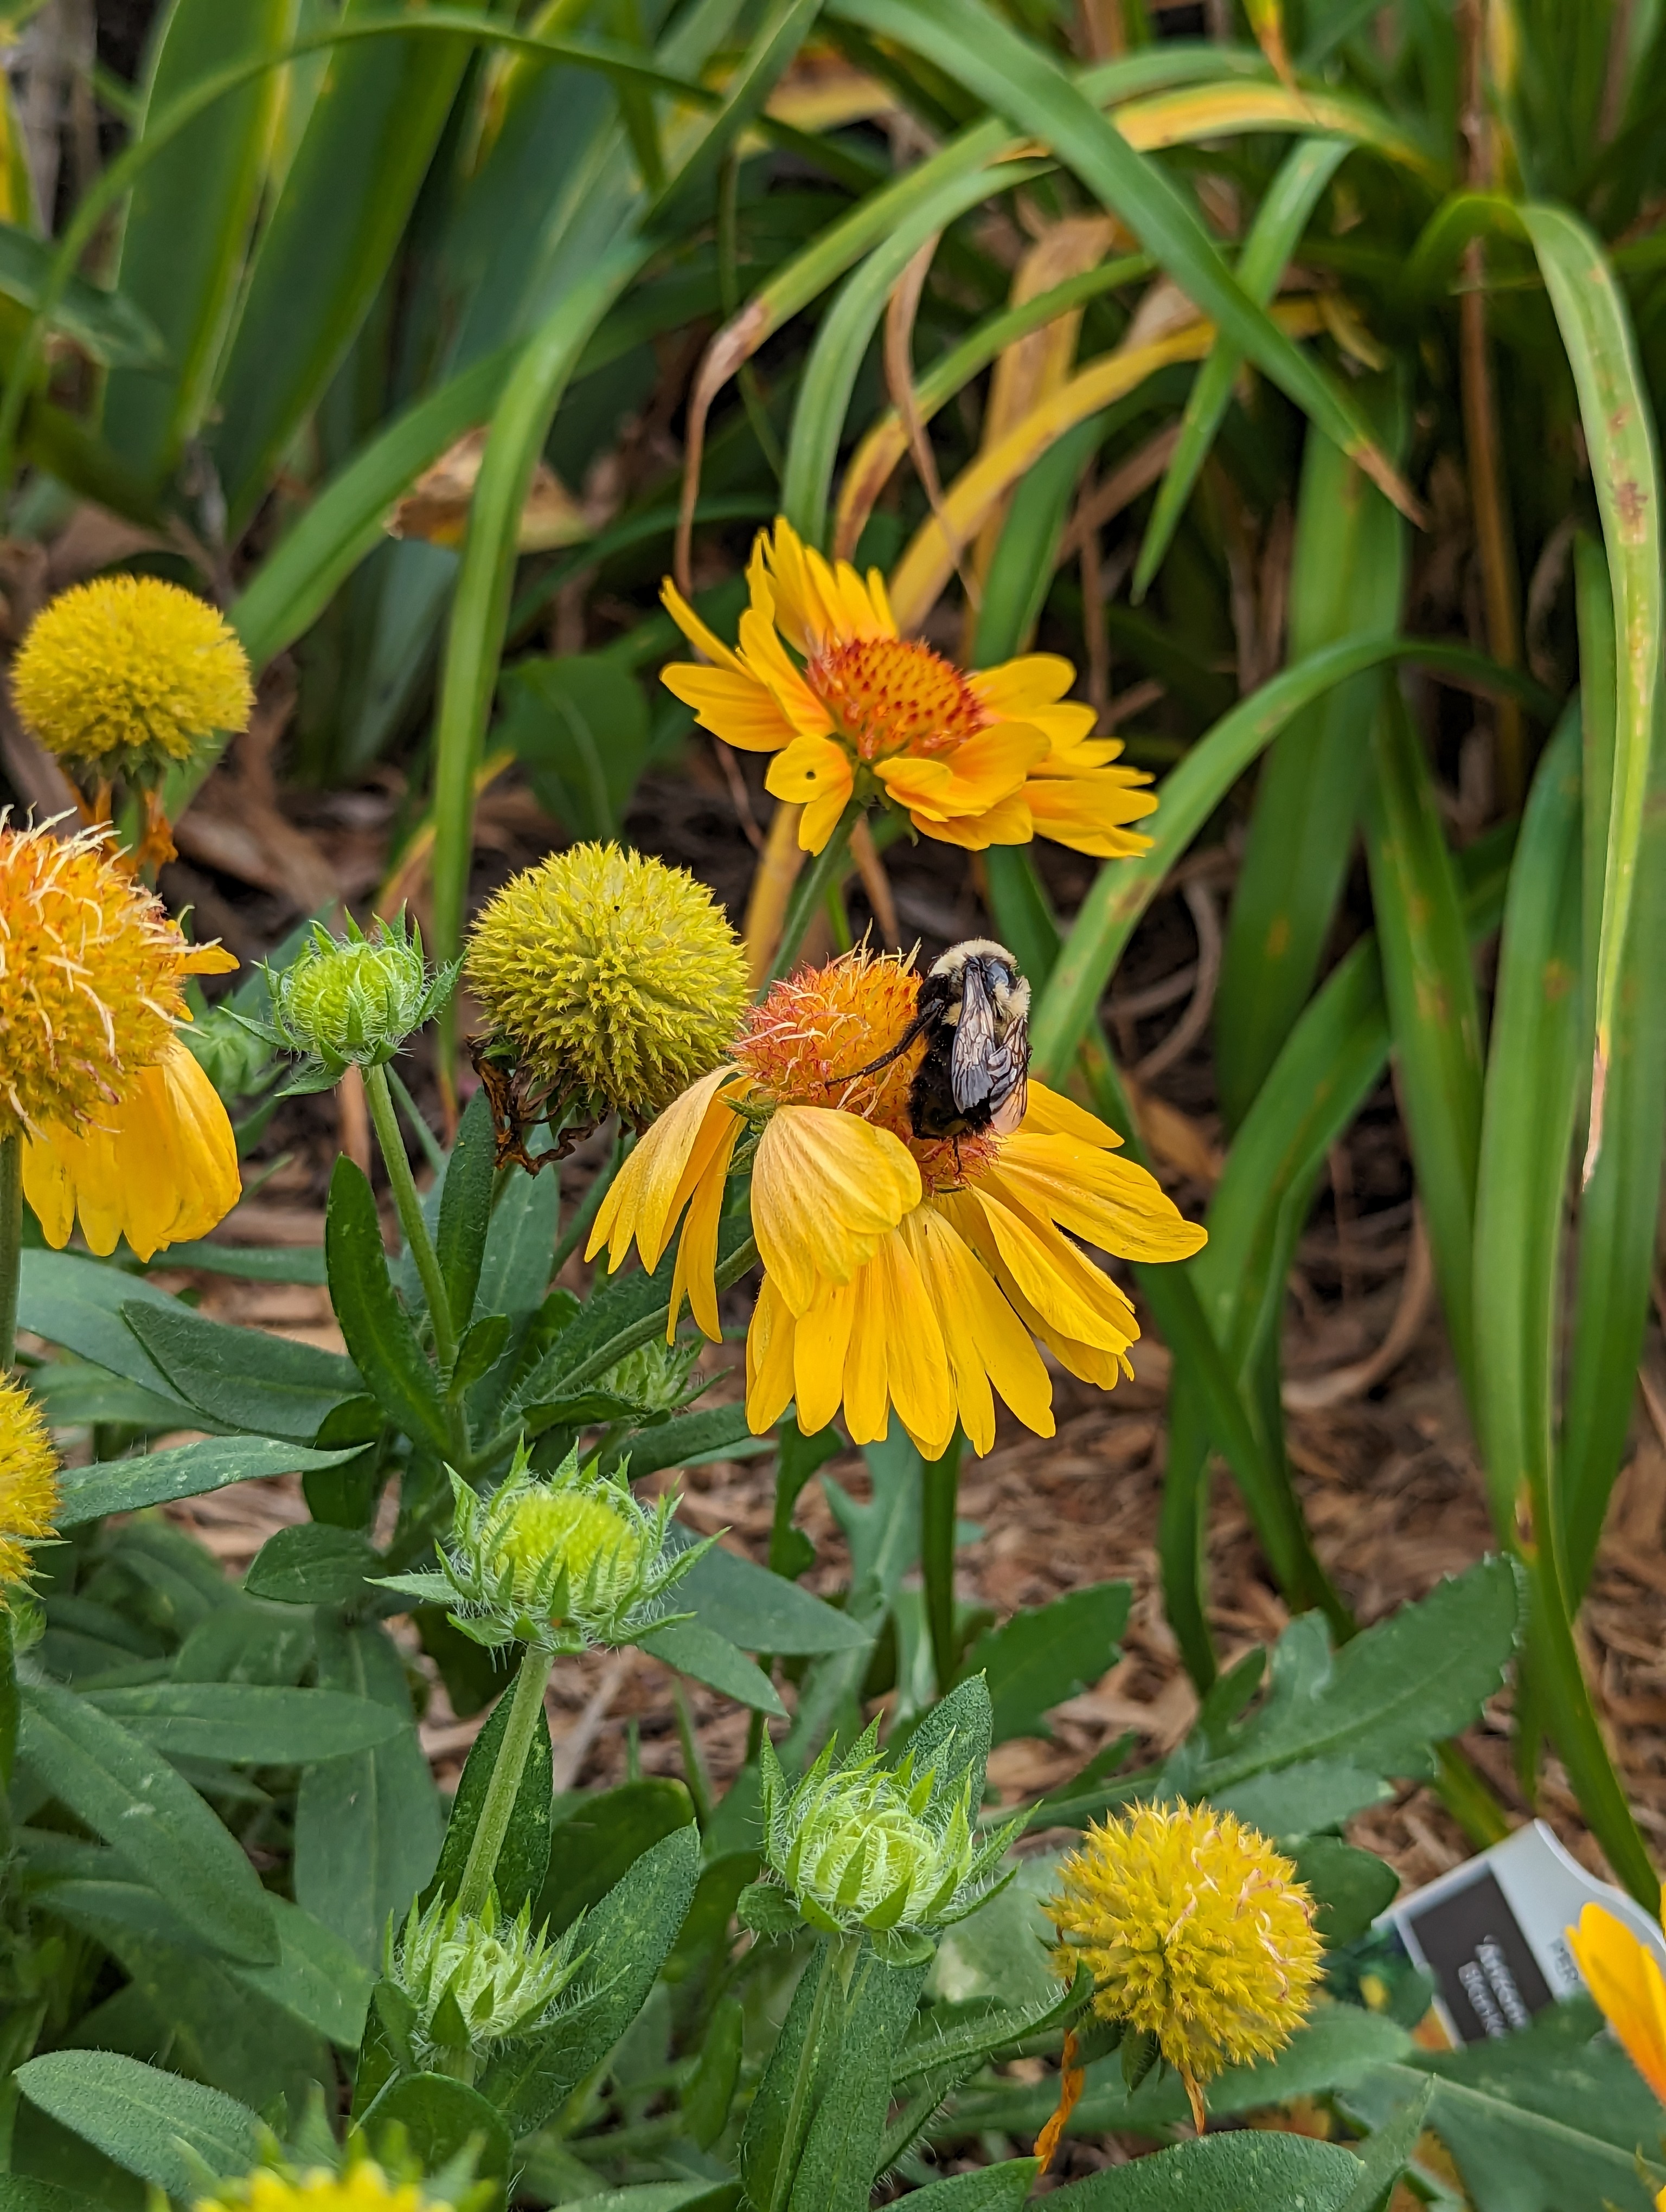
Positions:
(563, 1563)
(474, 1979)
(860, 1848)
(352, 1002)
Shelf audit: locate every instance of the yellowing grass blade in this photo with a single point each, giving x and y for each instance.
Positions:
(1615, 411)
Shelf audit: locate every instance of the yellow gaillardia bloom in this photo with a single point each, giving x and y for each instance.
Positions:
(29, 1483)
(1623, 1974)
(609, 973)
(361, 2186)
(127, 673)
(1195, 1931)
(994, 757)
(897, 1271)
(116, 1119)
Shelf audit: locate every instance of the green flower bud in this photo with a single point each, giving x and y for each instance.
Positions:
(655, 1377)
(864, 1849)
(562, 1564)
(352, 1002)
(475, 1979)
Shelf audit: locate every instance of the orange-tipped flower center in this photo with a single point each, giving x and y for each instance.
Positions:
(804, 1045)
(891, 695)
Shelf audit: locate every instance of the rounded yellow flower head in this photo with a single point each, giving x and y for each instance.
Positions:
(610, 975)
(849, 709)
(115, 1114)
(127, 673)
(899, 1271)
(1195, 1931)
(29, 1483)
(361, 2187)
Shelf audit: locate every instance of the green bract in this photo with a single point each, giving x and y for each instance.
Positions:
(352, 1002)
(859, 1847)
(562, 1565)
(475, 1979)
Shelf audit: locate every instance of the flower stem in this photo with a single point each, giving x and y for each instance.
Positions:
(410, 1208)
(939, 1494)
(822, 874)
(525, 1712)
(11, 1242)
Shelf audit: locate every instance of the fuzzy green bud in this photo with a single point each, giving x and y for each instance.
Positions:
(655, 1377)
(563, 1564)
(475, 1978)
(352, 1002)
(864, 1849)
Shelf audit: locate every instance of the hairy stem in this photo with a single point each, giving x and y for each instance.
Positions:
(410, 1208)
(526, 1713)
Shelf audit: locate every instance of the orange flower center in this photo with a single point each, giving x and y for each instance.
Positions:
(813, 1033)
(890, 695)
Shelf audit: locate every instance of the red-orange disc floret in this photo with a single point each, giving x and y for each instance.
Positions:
(804, 1045)
(891, 695)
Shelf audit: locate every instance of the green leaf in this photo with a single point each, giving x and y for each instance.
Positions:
(1038, 1659)
(719, 1432)
(709, 2092)
(700, 1652)
(142, 2118)
(438, 2119)
(109, 325)
(77, 1394)
(523, 1861)
(243, 1378)
(82, 1304)
(248, 1724)
(1386, 2156)
(125, 1486)
(1241, 2173)
(580, 728)
(520, 1243)
(841, 2152)
(599, 1836)
(378, 1330)
(1350, 1886)
(367, 1826)
(760, 1611)
(312, 1563)
(1617, 416)
(1299, 1800)
(628, 1935)
(130, 1796)
(466, 1206)
(250, 1263)
(1000, 2188)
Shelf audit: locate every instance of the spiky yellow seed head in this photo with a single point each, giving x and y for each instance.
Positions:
(90, 989)
(128, 673)
(599, 1548)
(28, 1484)
(361, 2186)
(611, 974)
(1195, 1931)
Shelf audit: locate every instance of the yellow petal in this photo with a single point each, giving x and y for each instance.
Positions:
(698, 635)
(1012, 688)
(1112, 1203)
(732, 705)
(207, 960)
(1624, 1977)
(695, 1271)
(867, 1370)
(1064, 1288)
(769, 1360)
(1087, 812)
(652, 1187)
(1050, 1114)
(1008, 822)
(826, 1187)
(816, 774)
(977, 776)
(766, 658)
(48, 1188)
(917, 1362)
(987, 1340)
(818, 1350)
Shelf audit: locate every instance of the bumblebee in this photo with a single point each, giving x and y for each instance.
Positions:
(974, 1013)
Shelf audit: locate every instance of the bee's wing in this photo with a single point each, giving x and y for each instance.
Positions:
(971, 1059)
(1009, 1079)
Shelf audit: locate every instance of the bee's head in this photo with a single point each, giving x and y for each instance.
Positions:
(1009, 991)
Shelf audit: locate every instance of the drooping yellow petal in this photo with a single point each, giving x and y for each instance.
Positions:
(917, 1362)
(1070, 1294)
(819, 1347)
(769, 1360)
(163, 1168)
(982, 771)
(695, 1271)
(1013, 688)
(1009, 822)
(1087, 813)
(867, 1370)
(1050, 1114)
(732, 704)
(985, 1340)
(815, 774)
(652, 1187)
(702, 639)
(1114, 1204)
(1624, 1976)
(826, 1187)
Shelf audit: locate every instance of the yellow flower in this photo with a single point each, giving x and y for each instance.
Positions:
(29, 1483)
(1195, 1931)
(991, 759)
(362, 2187)
(129, 673)
(115, 1114)
(898, 1271)
(610, 975)
(1623, 1974)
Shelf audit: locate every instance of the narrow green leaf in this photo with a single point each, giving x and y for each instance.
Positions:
(699, 1651)
(243, 1378)
(465, 1206)
(141, 2118)
(247, 1723)
(378, 1330)
(127, 1486)
(1040, 1658)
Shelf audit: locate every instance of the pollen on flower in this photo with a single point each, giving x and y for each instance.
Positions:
(891, 695)
(804, 1043)
(1195, 1931)
(129, 671)
(29, 1483)
(611, 974)
(89, 968)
